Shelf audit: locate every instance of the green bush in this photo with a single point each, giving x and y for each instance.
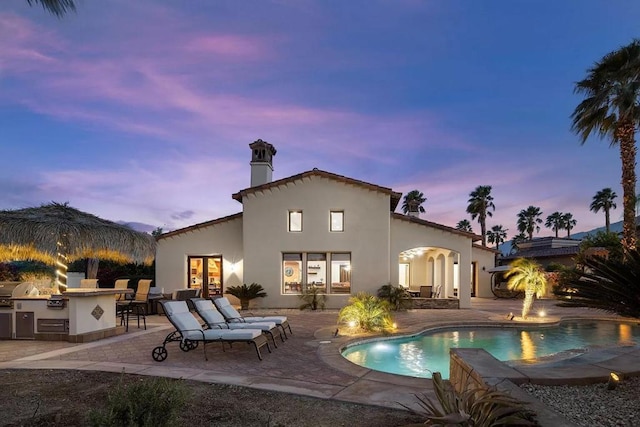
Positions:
(367, 312)
(246, 293)
(150, 402)
(396, 296)
(313, 298)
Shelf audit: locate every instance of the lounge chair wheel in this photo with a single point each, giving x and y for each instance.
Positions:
(193, 345)
(186, 345)
(159, 353)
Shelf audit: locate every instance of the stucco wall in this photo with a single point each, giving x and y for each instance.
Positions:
(365, 235)
(224, 238)
(486, 260)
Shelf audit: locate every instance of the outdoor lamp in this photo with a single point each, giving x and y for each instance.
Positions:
(614, 379)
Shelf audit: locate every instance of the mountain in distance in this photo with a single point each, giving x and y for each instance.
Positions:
(139, 226)
(616, 227)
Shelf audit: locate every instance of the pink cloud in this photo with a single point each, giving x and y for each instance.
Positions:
(230, 46)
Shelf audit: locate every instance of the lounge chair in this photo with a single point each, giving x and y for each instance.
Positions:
(189, 333)
(213, 319)
(231, 315)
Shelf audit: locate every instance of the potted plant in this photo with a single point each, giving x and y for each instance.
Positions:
(313, 298)
(246, 293)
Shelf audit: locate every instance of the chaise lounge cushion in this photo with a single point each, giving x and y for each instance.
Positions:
(232, 315)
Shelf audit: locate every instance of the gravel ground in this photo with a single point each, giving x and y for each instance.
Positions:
(593, 405)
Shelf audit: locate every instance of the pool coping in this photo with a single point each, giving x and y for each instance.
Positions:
(588, 367)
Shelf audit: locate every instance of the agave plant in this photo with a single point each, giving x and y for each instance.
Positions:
(246, 293)
(610, 284)
(473, 407)
(367, 312)
(313, 298)
(396, 296)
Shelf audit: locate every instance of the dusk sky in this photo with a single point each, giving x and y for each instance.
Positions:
(142, 111)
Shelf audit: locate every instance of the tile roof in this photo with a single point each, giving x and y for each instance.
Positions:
(544, 252)
(199, 226)
(395, 196)
(472, 236)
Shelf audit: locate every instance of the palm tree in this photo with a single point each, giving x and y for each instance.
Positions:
(412, 203)
(610, 109)
(480, 201)
(555, 222)
(55, 7)
(517, 240)
(604, 199)
(527, 275)
(497, 235)
(464, 225)
(568, 223)
(528, 220)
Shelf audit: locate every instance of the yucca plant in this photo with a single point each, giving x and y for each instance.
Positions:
(397, 296)
(473, 407)
(313, 298)
(367, 312)
(246, 293)
(610, 284)
(527, 275)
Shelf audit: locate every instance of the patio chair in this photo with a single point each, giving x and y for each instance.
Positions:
(138, 305)
(231, 315)
(122, 305)
(213, 319)
(189, 333)
(88, 283)
(425, 291)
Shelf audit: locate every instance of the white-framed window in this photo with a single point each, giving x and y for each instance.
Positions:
(340, 273)
(295, 221)
(292, 273)
(336, 221)
(317, 271)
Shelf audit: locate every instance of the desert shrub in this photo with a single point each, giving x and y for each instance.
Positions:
(31, 271)
(246, 293)
(609, 284)
(473, 407)
(150, 402)
(396, 296)
(367, 312)
(313, 298)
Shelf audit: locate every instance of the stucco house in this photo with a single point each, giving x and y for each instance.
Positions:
(319, 229)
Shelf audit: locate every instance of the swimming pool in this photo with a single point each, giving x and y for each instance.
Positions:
(420, 355)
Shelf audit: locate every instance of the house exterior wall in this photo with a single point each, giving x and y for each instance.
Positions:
(406, 235)
(224, 238)
(365, 236)
(485, 260)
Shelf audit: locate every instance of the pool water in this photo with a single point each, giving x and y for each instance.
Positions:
(420, 355)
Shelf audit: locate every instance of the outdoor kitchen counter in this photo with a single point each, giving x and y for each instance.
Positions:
(78, 315)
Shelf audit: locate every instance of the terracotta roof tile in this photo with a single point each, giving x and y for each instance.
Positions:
(199, 226)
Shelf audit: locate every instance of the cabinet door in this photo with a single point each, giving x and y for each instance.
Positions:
(6, 326)
(24, 325)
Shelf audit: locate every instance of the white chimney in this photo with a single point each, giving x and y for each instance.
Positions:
(261, 162)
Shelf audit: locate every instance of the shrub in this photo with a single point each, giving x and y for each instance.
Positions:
(367, 312)
(473, 407)
(150, 402)
(396, 296)
(609, 284)
(313, 298)
(246, 293)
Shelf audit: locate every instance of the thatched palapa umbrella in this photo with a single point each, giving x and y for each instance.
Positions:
(57, 234)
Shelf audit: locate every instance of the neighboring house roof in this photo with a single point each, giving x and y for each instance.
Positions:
(199, 226)
(408, 218)
(395, 196)
(544, 252)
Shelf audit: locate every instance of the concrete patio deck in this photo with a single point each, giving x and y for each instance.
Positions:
(309, 363)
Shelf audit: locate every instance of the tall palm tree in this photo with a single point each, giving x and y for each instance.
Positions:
(497, 235)
(412, 203)
(517, 240)
(611, 109)
(527, 275)
(568, 223)
(528, 220)
(555, 222)
(464, 225)
(480, 201)
(604, 199)
(55, 7)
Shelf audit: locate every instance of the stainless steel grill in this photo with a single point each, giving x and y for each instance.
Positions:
(14, 289)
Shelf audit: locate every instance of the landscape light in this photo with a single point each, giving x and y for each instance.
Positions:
(542, 313)
(614, 379)
(352, 324)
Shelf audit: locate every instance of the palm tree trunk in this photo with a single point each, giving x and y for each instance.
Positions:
(92, 268)
(483, 230)
(607, 221)
(625, 134)
(527, 303)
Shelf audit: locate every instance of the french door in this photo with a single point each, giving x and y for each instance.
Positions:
(205, 273)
